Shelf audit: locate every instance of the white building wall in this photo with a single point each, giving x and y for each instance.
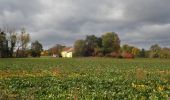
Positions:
(66, 54)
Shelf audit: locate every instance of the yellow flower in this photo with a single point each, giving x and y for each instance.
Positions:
(142, 86)
(160, 88)
(133, 85)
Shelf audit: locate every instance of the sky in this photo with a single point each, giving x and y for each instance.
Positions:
(140, 23)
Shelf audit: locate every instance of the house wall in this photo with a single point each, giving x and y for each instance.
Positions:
(63, 54)
(69, 55)
(66, 54)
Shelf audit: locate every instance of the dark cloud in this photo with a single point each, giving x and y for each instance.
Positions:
(138, 22)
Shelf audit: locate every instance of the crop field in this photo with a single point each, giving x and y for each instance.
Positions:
(84, 79)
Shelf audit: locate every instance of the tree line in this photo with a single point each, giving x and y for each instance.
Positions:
(16, 44)
(108, 45)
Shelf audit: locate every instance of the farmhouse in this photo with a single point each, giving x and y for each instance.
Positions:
(67, 52)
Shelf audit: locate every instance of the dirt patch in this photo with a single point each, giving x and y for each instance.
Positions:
(55, 72)
(140, 73)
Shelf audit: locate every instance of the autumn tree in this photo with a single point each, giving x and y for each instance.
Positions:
(135, 51)
(57, 49)
(130, 50)
(22, 43)
(127, 48)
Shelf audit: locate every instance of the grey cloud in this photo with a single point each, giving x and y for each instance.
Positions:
(18, 13)
(138, 22)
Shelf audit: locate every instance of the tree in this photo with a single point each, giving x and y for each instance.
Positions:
(155, 51)
(98, 52)
(24, 39)
(22, 43)
(9, 39)
(127, 51)
(57, 49)
(36, 48)
(12, 38)
(80, 48)
(110, 42)
(3, 44)
(135, 51)
(165, 53)
(130, 51)
(45, 53)
(92, 42)
(127, 48)
(142, 53)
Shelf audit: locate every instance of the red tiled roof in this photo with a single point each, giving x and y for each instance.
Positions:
(68, 49)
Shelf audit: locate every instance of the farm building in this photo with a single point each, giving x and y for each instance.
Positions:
(55, 56)
(67, 52)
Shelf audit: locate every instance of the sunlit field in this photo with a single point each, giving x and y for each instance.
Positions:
(84, 79)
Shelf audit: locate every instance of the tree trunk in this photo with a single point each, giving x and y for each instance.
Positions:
(17, 52)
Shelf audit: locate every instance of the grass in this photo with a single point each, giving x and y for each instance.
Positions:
(84, 78)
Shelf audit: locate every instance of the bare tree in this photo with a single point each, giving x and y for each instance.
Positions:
(22, 43)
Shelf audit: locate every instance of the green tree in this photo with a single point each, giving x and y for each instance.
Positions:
(80, 48)
(155, 51)
(11, 36)
(3, 45)
(12, 40)
(92, 42)
(142, 53)
(36, 48)
(165, 53)
(110, 42)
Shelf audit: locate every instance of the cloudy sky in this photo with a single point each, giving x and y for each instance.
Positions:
(138, 22)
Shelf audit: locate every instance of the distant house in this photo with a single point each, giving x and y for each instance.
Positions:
(55, 56)
(67, 52)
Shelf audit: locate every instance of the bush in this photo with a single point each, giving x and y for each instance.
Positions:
(127, 55)
(114, 54)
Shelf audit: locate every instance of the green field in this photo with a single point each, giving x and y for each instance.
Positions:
(84, 79)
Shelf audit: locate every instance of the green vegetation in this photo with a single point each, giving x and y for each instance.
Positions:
(16, 45)
(13, 44)
(36, 49)
(84, 79)
(108, 45)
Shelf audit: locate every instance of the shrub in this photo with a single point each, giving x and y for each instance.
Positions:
(127, 55)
